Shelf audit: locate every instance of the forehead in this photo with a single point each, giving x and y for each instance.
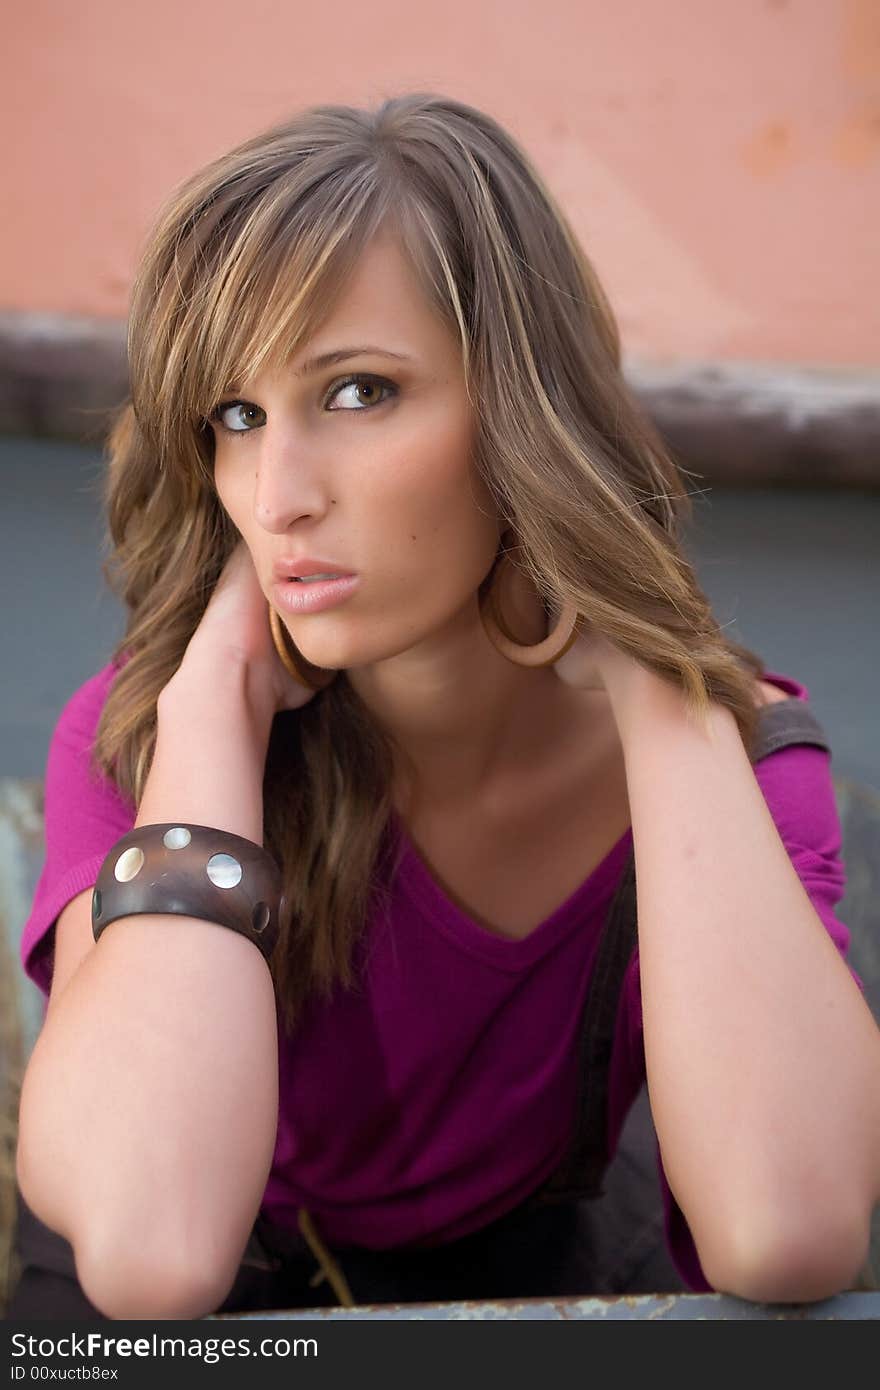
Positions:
(383, 302)
(374, 296)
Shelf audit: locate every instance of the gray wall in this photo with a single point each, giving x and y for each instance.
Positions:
(796, 575)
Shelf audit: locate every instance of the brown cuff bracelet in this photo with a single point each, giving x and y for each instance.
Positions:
(195, 871)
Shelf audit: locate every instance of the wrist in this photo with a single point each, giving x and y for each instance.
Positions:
(225, 688)
(210, 755)
(642, 699)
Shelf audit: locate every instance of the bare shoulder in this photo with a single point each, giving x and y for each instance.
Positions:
(767, 694)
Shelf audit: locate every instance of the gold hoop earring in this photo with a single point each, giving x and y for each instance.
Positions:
(313, 677)
(561, 637)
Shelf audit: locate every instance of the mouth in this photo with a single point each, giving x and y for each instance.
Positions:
(307, 569)
(321, 592)
(314, 578)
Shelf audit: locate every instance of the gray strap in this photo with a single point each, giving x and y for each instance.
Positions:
(788, 721)
(580, 1173)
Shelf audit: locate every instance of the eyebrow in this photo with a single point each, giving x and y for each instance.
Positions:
(329, 359)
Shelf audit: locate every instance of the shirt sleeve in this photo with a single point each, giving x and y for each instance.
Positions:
(797, 784)
(84, 816)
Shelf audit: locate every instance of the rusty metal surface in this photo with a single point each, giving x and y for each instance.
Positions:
(715, 1307)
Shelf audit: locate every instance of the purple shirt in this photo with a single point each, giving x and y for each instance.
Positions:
(437, 1096)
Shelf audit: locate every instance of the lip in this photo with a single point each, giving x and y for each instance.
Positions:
(302, 565)
(313, 598)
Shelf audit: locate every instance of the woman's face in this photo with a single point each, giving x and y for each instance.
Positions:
(365, 463)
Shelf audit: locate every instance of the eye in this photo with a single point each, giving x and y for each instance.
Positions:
(373, 386)
(237, 417)
(241, 417)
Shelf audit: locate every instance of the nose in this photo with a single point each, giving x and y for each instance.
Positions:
(291, 482)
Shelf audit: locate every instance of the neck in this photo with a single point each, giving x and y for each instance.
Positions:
(460, 715)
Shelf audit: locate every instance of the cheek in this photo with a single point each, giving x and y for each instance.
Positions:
(221, 486)
(433, 525)
(228, 488)
(426, 472)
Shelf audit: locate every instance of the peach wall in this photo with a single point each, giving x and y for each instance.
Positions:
(720, 159)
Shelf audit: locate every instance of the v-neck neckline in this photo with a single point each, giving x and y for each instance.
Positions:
(513, 953)
(516, 953)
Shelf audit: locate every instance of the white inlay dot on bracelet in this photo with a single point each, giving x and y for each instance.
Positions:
(176, 838)
(129, 864)
(224, 871)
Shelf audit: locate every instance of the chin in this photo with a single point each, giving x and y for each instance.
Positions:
(330, 656)
(350, 647)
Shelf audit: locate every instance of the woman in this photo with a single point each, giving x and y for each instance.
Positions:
(417, 675)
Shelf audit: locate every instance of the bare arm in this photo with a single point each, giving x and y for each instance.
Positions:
(149, 1106)
(763, 1058)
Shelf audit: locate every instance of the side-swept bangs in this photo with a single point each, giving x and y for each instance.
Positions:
(244, 280)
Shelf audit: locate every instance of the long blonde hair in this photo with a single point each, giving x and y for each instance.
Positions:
(240, 268)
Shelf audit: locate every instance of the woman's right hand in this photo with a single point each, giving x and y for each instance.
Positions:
(234, 629)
